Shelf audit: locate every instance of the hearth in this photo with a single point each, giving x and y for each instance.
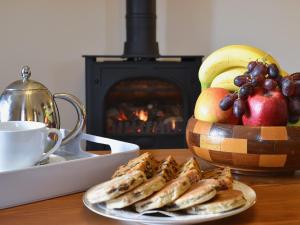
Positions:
(144, 107)
(140, 96)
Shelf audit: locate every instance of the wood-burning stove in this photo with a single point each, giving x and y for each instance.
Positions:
(140, 96)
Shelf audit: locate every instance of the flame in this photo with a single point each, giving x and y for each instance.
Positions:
(141, 114)
(173, 124)
(122, 116)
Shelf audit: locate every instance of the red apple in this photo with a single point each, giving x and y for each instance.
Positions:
(266, 109)
(207, 107)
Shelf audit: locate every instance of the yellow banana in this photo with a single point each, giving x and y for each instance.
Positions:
(228, 57)
(225, 79)
(283, 73)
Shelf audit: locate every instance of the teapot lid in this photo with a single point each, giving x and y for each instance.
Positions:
(25, 83)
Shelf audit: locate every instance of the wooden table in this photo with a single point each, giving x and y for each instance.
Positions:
(278, 203)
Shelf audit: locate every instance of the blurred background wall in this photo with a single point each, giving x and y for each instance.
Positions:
(51, 36)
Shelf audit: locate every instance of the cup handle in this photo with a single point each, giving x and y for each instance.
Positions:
(57, 144)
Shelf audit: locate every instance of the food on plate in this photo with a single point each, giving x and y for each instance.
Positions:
(144, 162)
(189, 165)
(116, 186)
(167, 170)
(168, 194)
(189, 174)
(222, 202)
(200, 192)
(141, 192)
(171, 188)
(220, 178)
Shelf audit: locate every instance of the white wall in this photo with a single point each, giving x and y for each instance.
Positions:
(272, 25)
(51, 36)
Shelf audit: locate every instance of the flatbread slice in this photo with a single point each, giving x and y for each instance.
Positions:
(191, 164)
(166, 172)
(174, 189)
(222, 202)
(115, 187)
(141, 192)
(144, 162)
(198, 193)
(223, 177)
(168, 168)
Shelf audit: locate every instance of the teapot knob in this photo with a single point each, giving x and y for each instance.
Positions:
(25, 72)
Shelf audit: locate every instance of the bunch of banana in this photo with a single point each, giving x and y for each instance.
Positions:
(226, 78)
(220, 67)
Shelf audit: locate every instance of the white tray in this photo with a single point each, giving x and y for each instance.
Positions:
(71, 170)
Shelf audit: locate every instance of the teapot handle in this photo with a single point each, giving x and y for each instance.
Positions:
(81, 114)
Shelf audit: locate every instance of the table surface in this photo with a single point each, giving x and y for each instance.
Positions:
(278, 203)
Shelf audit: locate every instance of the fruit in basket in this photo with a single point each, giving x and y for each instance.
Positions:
(290, 87)
(261, 100)
(266, 109)
(207, 106)
(294, 109)
(225, 79)
(229, 57)
(239, 107)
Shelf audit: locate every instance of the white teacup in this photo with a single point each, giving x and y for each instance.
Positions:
(22, 144)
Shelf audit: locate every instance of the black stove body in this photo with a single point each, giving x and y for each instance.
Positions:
(141, 96)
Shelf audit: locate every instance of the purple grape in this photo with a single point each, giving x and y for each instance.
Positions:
(258, 80)
(294, 105)
(293, 118)
(278, 80)
(251, 65)
(240, 80)
(239, 107)
(273, 71)
(227, 102)
(245, 91)
(297, 88)
(287, 87)
(259, 69)
(270, 84)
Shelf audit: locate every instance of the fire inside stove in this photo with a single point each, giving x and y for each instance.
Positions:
(144, 107)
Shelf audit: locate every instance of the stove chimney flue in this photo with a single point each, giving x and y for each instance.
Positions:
(141, 29)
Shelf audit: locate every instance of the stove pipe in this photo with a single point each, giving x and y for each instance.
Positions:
(141, 29)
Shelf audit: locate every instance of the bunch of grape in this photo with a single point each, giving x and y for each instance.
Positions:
(259, 76)
(290, 87)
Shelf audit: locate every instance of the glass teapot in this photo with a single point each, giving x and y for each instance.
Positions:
(30, 100)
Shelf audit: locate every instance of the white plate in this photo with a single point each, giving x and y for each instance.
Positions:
(132, 216)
